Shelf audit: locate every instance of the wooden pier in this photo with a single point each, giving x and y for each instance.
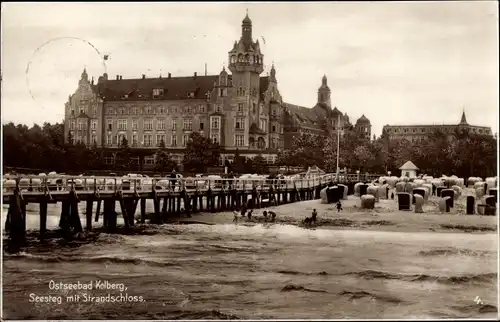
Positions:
(171, 197)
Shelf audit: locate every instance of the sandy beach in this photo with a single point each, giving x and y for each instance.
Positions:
(385, 217)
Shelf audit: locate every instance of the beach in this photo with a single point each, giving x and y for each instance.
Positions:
(380, 263)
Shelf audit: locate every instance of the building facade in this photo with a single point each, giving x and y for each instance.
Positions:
(416, 133)
(241, 110)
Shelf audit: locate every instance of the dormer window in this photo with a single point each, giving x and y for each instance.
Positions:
(158, 92)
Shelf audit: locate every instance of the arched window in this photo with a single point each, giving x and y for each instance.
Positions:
(261, 143)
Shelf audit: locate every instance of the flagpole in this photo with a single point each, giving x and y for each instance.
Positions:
(338, 145)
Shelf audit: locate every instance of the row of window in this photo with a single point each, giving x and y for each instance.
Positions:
(247, 59)
(82, 125)
(122, 124)
(84, 110)
(149, 140)
(431, 129)
(78, 138)
(201, 108)
(149, 110)
(135, 110)
(148, 160)
(161, 124)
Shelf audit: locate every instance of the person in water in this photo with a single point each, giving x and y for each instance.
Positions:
(235, 219)
(314, 216)
(249, 215)
(265, 215)
(339, 206)
(243, 210)
(273, 215)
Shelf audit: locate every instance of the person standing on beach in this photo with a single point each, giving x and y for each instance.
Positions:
(235, 219)
(314, 216)
(339, 206)
(249, 215)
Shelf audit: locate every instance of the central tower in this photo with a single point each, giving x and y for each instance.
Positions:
(246, 63)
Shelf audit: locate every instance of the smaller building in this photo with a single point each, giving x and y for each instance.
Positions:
(418, 133)
(409, 169)
(364, 126)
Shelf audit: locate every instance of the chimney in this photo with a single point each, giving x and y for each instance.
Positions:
(143, 76)
(121, 77)
(195, 74)
(169, 75)
(117, 77)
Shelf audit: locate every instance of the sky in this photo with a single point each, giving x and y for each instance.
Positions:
(394, 62)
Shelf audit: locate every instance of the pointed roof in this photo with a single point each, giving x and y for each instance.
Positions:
(336, 111)
(247, 20)
(463, 120)
(408, 166)
(254, 129)
(363, 119)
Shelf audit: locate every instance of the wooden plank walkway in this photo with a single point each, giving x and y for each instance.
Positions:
(170, 197)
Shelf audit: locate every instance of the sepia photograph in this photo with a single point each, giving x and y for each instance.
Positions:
(249, 160)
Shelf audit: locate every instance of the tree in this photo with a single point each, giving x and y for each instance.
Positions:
(330, 149)
(239, 164)
(307, 150)
(201, 153)
(362, 155)
(163, 161)
(123, 156)
(259, 165)
(95, 160)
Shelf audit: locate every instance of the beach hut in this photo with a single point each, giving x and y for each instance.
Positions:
(409, 170)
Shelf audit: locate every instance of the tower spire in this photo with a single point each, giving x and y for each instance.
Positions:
(463, 120)
(246, 30)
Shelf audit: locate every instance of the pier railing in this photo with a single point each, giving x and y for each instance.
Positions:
(33, 184)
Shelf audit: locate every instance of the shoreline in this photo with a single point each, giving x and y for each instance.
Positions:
(385, 217)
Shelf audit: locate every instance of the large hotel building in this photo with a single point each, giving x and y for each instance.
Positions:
(421, 132)
(239, 109)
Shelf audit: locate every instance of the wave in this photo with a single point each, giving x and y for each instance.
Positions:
(479, 278)
(202, 315)
(293, 287)
(363, 294)
(466, 228)
(289, 272)
(455, 251)
(90, 259)
(477, 308)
